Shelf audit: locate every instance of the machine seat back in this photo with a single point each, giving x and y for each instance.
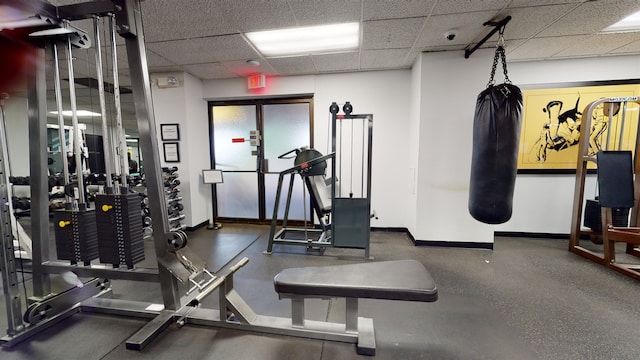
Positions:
(615, 179)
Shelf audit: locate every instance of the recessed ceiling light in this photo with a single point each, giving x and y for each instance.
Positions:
(83, 113)
(629, 24)
(321, 39)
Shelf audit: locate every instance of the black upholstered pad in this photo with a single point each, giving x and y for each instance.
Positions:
(391, 280)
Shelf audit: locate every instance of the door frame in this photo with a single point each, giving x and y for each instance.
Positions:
(259, 103)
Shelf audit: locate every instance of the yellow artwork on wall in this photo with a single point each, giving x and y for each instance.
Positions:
(552, 119)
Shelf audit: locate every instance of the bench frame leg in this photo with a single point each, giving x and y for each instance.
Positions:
(351, 315)
(297, 312)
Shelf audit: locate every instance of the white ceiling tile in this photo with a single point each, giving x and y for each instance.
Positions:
(463, 6)
(325, 11)
(170, 20)
(543, 48)
(180, 52)
(468, 27)
(337, 62)
(293, 65)
(224, 48)
(162, 69)
(394, 9)
(631, 48)
(253, 15)
(598, 44)
(411, 57)
(209, 31)
(527, 22)
(154, 59)
(387, 58)
(529, 3)
(242, 68)
(209, 71)
(390, 34)
(591, 17)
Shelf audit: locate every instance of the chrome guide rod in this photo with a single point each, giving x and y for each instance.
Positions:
(351, 164)
(122, 142)
(103, 109)
(76, 129)
(61, 134)
(362, 160)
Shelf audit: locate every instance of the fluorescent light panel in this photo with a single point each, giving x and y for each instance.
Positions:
(321, 39)
(83, 113)
(628, 24)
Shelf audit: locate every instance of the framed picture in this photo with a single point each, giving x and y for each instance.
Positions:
(171, 152)
(551, 124)
(170, 132)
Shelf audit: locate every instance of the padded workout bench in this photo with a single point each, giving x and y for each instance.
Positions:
(406, 280)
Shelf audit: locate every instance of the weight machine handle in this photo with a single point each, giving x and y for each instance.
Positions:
(284, 156)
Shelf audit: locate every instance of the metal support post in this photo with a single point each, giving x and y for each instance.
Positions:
(136, 52)
(37, 110)
(11, 286)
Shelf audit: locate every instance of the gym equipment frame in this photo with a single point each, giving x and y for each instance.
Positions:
(609, 194)
(308, 169)
(350, 206)
(178, 266)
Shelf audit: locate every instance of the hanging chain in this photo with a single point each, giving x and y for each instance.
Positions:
(499, 55)
(493, 68)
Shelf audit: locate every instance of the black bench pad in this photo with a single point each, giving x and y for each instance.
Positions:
(390, 280)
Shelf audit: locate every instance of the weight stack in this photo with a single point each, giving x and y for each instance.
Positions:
(593, 218)
(120, 233)
(76, 235)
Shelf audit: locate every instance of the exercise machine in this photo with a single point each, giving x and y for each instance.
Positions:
(608, 215)
(311, 166)
(340, 198)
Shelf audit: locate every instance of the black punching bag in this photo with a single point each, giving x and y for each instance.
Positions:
(496, 137)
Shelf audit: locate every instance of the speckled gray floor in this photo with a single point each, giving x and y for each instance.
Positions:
(526, 299)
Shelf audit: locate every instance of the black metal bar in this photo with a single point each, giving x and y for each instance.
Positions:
(85, 10)
(496, 27)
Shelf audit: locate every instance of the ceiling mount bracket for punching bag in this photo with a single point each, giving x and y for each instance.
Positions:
(497, 26)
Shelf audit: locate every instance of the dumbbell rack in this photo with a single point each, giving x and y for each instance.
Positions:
(173, 198)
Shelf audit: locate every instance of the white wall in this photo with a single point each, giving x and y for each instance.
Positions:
(184, 106)
(415, 114)
(385, 94)
(196, 148)
(450, 85)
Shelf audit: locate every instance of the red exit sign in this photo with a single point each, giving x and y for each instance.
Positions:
(256, 82)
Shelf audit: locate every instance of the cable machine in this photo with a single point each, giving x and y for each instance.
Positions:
(605, 124)
(76, 227)
(343, 195)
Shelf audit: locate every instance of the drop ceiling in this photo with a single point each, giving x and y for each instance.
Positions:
(205, 37)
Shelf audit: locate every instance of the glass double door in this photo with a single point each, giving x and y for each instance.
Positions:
(251, 171)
